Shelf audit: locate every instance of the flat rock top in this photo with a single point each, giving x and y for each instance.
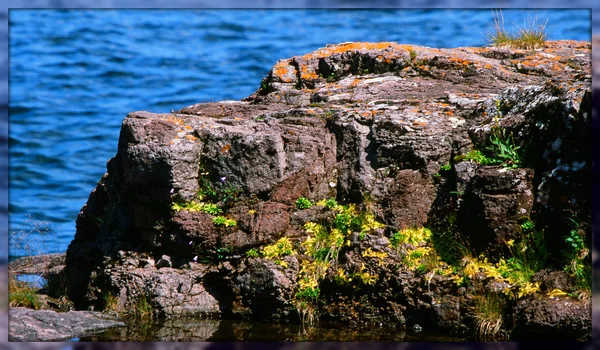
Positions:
(45, 325)
(410, 86)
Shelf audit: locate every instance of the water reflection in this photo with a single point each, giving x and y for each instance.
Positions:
(199, 330)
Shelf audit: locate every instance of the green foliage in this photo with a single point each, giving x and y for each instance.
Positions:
(223, 221)
(308, 293)
(23, 294)
(475, 156)
(500, 150)
(323, 244)
(143, 309)
(282, 247)
(110, 302)
(229, 193)
(252, 253)
(413, 55)
(303, 203)
(529, 255)
(503, 149)
(212, 209)
(527, 226)
(206, 191)
(223, 252)
(331, 203)
(414, 236)
(578, 264)
(446, 167)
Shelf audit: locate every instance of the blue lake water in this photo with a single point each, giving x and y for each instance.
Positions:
(75, 74)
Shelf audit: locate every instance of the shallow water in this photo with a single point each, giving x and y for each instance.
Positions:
(74, 75)
(199, 330)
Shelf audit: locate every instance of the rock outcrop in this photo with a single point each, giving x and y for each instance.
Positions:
(192, 200)
(34, 326)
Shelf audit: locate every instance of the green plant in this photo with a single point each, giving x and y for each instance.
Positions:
(527, 226)
(528, 255)
(322, 246)
(252, 253)
(331, 203)
(206, 190)
(532, 35)
(143, 309)
(222, 252)
(578, 264)
(282, 247)
(475, 156)
(500, 150)
(223, 221)
(23, 294)
(487, 310)
(446, 167)
(413, 54)
(303, 203)
(110, 302)
(212, 209)
(229, 193)
(503, 149)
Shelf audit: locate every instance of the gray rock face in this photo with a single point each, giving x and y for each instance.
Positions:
(494, 205)
(45, 325)
(554, 318)
(364, 123)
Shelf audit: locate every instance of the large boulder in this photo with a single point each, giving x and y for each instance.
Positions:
(378, 125)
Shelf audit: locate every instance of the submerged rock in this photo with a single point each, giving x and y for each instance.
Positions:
(184, 215)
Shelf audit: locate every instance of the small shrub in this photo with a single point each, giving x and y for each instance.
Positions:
(282, 247)
(331, 203)
(303, 203)
(475, 156)
(212, 209)
(22, 294)
(577, 256)
(223, 221)
(252, 253)
(414, 236)
(446, 167)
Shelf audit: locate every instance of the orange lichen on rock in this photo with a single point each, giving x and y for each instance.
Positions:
(190, 137)
(459, 60)
(307, 74)
(355, 46)
(173, 119)
(281, 70)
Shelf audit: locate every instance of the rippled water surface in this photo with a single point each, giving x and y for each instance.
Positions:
(74, 76)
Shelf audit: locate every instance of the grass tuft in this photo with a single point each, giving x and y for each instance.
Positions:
(487, 312)
(531, 36)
